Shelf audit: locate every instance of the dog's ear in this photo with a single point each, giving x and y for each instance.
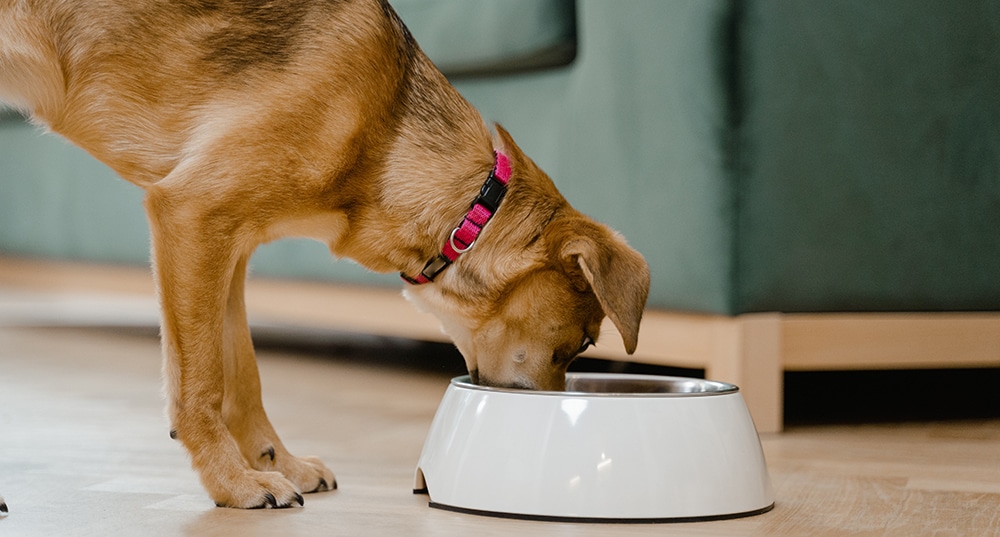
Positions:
(618, 275)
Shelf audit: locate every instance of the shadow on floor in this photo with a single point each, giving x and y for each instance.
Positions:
(891, 396)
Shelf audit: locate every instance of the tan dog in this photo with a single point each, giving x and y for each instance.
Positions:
(247, 121)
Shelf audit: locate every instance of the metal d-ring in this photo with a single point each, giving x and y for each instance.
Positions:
(451, 241)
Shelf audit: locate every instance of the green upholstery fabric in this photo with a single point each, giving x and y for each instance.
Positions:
(871, 156)
(57, 201)
(489, 36)
(779, 155)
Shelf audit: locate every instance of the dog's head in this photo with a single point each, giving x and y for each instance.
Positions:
(532, 293)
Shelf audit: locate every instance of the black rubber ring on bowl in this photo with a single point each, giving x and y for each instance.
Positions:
(598, 520)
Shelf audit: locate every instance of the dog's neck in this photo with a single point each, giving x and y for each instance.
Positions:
(437, 157)
(464, 236)
(424, 196)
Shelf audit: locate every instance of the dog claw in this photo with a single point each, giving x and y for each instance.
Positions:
(269, 452)
(324, 486)
(270, 502)
(3, 506)
(173, 434)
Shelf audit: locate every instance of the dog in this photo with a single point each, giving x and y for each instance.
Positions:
(246, 121)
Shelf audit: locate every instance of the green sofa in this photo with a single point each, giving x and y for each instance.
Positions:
(764, 156)
(786, 156)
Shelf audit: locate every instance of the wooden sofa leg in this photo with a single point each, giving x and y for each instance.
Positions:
(747, 352)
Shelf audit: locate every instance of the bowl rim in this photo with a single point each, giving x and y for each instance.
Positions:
(719, 388)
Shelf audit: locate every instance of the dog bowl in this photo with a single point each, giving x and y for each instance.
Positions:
(625, 448)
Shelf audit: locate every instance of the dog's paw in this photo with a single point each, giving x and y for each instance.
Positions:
(309, 474)
(257, 490)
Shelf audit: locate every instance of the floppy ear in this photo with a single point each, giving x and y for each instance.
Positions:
(618, 275)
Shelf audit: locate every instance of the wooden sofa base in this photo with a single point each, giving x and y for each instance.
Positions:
(752, 351)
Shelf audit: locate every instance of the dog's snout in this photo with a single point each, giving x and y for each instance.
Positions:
(518, 384)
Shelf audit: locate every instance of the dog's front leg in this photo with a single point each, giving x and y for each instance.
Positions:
(196, 251)
(243, 409)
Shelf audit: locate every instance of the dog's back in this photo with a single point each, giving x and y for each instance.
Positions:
(142, 83)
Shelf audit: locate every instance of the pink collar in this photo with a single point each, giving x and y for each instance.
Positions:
(464, 236)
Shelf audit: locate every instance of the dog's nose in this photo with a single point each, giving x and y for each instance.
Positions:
(492, 382)
(512, 385)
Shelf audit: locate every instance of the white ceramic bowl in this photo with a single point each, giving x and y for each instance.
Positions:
(630, 448)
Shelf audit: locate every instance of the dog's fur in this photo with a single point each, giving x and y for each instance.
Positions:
(250, 120)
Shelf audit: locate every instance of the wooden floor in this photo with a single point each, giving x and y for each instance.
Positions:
(84, 450)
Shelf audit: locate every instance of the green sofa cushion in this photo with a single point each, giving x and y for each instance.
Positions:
(465, 37)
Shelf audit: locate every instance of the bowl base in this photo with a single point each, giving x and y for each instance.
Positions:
(593, 520)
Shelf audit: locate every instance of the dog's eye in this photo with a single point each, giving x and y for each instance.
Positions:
(585, 344)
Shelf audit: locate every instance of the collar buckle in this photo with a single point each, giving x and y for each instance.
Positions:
(492, 193)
